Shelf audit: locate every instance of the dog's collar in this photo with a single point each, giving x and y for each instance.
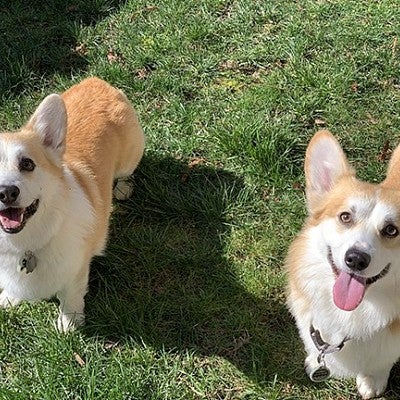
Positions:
(27, 262)
(322, 346)
(322, 372)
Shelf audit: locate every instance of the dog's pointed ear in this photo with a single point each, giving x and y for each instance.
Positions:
(325, 163)
(393, 173)
(49, 121)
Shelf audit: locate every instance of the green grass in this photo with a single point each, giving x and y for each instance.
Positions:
(188, 302)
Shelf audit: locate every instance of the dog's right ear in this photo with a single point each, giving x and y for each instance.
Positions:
(325, 163)
(392, 180)
(49, 121)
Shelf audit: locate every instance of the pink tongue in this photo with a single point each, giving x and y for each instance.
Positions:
(348, 291)
(11, 218)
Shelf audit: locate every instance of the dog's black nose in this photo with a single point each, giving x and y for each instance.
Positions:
(356, 260)
(8, 194)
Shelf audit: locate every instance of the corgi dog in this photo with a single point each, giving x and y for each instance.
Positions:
(56, 184)
(344, 270)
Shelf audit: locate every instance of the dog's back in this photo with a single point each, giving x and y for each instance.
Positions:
(104, 142)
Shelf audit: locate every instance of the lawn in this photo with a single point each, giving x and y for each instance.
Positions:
(189, 300)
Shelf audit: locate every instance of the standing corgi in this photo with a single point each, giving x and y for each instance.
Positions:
(56, 182)
(344, 270)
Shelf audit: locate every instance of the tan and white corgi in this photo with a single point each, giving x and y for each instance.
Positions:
(344, 270)
(56, 183)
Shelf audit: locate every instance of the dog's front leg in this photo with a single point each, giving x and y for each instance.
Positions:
(72, 303)
(372, 385)
(7, 301)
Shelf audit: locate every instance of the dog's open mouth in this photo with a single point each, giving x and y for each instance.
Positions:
(13, 219)
(349, 288)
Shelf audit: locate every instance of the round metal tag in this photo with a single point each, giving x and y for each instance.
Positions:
(28, 262)
(320, 374)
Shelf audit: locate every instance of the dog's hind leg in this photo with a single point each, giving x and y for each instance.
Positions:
(123, 188)
(130, 153)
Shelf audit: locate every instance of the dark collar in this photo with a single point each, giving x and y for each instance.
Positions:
(322, 346)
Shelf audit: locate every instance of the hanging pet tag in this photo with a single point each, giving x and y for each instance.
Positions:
(320, 373)
(28, 262)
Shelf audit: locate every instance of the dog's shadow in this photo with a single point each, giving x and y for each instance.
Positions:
(166, 281)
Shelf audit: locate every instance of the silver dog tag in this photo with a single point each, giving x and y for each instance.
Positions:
(320, 373)
(28, 262)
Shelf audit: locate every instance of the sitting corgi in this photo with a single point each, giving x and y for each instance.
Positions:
(344, 270)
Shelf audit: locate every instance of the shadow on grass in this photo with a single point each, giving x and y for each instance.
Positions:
(38, 39)
(165, 279)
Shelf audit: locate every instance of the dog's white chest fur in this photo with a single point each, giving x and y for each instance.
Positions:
(57, 243)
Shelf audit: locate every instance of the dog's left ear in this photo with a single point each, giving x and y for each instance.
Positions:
(325, 163)
(49, 121)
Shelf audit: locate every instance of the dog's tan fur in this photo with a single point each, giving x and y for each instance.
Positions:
(104, 142)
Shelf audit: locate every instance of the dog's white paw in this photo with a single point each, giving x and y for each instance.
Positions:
(123, 188)
(370, 387)
(7, 301)
(69, 322)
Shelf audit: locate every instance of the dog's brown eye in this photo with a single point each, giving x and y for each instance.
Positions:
(390, 231)
(26, 164)
(345, 217)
